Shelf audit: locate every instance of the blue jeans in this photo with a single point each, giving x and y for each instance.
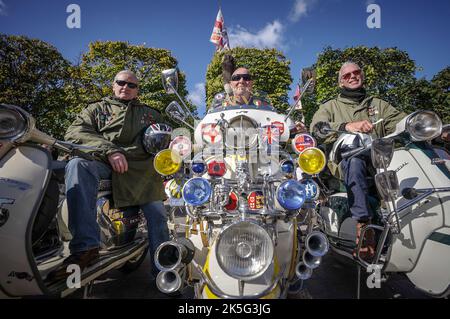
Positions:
(82, 180)
(355, 173)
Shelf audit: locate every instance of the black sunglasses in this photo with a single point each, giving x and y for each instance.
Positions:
(238, 77)
(130, 84)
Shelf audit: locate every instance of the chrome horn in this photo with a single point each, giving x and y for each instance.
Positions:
(169, 281)
(316, 244)
(310, 260)
(171, 254)
(302, 271)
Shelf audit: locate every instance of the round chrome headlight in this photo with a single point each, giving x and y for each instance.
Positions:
(291, 194)
(241, 133)
(12, 123)
(244, 250)
(424, 125)
(196, 191)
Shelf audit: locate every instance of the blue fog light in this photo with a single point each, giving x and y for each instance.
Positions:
(196, 191)
(291, 194)
(287, 167)
(198, 167)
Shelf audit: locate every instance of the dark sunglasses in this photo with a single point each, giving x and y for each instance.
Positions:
(130, 84)
(348, 75)
(238, 77)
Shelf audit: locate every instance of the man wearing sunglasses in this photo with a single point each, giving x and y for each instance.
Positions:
(242, 85)
(355, 111)
(114, 125)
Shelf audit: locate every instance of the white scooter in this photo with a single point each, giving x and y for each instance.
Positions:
(247, 233)
(34, 236)
(412, 220)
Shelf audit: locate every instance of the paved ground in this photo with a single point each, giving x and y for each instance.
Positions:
(335, 278)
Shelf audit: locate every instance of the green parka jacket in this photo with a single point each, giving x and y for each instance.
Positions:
(113, 126)
(343, 110)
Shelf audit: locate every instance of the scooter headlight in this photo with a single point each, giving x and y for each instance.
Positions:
(312, 161)
(291, 194)
(167, 162)
(424, 125)
(196, 191)
(244, 250)
(13, 124)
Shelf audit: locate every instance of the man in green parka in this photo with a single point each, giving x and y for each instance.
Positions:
(115, 126)
(354, 111)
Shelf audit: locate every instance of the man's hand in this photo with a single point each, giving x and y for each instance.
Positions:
(118, 162)
(360, 126)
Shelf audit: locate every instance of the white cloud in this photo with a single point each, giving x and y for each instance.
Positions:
(198, 96)
(2, 8)
(300, 9)
(271, 36)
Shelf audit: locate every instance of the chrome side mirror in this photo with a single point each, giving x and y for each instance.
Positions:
(382, 152)
(170, 80)
(175, 111)
(387, 185)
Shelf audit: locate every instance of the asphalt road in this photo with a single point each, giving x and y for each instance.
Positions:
(335, 279)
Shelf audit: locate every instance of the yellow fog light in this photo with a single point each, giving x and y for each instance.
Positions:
(312, 160)
(167, 162)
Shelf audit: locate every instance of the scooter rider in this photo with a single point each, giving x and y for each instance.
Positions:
(113, 124)
(354, 111)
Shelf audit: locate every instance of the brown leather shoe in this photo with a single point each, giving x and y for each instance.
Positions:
(82, 259)
(367, 251)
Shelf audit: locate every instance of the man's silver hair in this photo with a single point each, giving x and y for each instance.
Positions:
(128, 72)
(347, 63)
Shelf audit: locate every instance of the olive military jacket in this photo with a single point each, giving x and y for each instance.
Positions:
(113, 126)
(343, 110)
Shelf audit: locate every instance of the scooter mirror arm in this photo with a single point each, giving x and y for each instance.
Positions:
(184, 104)
(304, 88)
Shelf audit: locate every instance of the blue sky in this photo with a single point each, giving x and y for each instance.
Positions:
(299, 28)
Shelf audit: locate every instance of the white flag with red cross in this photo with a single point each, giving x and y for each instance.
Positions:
(219, 34)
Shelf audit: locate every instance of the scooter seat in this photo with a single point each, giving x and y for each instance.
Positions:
(105, 185)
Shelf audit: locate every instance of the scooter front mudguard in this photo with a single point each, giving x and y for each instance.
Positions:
(415, 169)
(24, 175)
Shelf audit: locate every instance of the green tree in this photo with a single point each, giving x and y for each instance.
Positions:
(270, 67)
(389, 75)
(441, 98)
(98, 66)
(33, 75)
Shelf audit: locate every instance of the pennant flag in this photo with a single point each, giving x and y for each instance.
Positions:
(219, 34)
(297, 93)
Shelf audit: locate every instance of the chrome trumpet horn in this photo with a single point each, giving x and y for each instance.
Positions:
(169, 281)
(302, 271)
(171, 255)
(316, 244)
(310, 260)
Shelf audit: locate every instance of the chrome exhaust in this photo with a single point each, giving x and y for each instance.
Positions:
(171, 255)
(310, 260)
(302, 271)
(317, 244)
(169, 281)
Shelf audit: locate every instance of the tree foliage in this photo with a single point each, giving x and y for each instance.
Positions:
(104, 60)
(33, 75)
(390, 75)
(270, 69)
